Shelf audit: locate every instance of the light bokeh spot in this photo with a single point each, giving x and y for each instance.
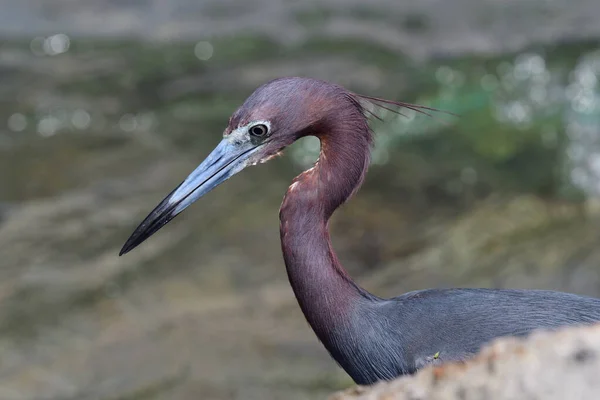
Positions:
(81, 119)
(57, 44)
(37, 46)
(17, 122)
(128, 123)
(203, 50)
(51, 45)
(48, 126)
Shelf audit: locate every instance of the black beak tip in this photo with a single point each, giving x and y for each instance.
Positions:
(147, 228)
(136, 238)
(127, 247)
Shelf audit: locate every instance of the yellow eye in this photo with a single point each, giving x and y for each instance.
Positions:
(258, 130)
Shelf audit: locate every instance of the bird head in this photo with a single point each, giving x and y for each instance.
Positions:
(273, 117)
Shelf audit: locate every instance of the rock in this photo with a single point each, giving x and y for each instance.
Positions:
(546, 365)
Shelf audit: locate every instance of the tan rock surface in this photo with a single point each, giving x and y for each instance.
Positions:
(547, 365)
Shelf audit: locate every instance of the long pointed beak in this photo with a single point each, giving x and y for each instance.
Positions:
(226, 160)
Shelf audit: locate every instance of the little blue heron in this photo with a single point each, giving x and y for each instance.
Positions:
(372, 338)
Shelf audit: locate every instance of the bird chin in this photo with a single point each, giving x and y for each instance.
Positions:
(270, 157)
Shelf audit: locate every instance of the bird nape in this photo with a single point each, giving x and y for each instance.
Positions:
(370, 337)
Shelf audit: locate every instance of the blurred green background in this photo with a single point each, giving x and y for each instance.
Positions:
(106, 105)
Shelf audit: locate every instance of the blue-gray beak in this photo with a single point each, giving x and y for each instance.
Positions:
(226, 160)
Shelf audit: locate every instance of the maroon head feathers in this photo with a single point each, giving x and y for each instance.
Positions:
(295, 107)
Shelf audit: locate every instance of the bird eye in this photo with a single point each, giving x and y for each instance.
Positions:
(258, 130)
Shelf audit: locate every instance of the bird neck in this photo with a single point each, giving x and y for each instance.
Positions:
(326, 293)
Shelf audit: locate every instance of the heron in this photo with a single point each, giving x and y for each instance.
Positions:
(370, 337)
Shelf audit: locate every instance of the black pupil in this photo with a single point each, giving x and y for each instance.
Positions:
(258, 130)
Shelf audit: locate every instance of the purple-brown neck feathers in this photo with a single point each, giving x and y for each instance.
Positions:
(325, 292)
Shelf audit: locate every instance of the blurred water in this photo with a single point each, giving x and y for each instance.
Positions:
(417, 28)
(94, 131)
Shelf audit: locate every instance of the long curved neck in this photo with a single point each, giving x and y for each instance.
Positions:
(325, 292)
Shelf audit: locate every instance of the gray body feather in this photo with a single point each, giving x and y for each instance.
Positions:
(398, 336)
